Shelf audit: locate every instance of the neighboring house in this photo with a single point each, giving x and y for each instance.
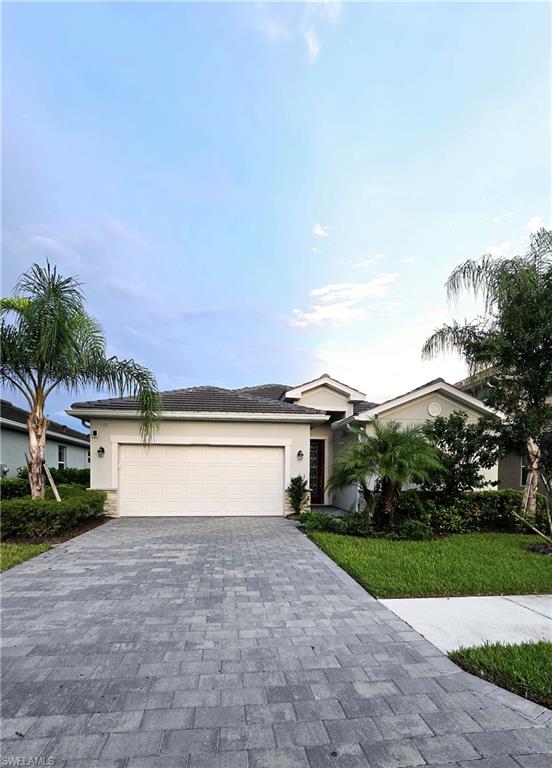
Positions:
(65, 447)
(233, 451)
(512, 468)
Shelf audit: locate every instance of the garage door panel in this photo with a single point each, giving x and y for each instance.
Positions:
(200, 480)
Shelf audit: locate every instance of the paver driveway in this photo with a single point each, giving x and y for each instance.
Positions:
(233, 642)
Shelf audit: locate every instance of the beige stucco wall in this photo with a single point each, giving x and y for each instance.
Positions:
(327, 400)
(111, 432)
(416, 412)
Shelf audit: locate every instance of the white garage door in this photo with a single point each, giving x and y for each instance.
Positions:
(200, 480)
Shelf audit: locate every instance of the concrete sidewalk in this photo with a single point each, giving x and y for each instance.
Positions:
(451, 622)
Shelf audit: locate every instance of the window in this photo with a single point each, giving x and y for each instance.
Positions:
(62, 456)
(88, 456)
(524, 470)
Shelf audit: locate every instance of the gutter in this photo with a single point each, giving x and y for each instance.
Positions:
(349, 420)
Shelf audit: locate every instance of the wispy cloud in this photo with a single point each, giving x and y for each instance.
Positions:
(313, 44)
(398, 352)
(503, 217)
(534, 224)
(409, 260)
(134, 290)
(116, 228)
(320, 231)
(48, 245)
(370, 262)
(284, 22)
(333, 314)
(502, 249)
(268, 25)
(345, 303)
(377, 287)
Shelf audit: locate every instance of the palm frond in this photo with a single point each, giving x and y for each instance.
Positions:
(451, 338)
(53, 342)
(13, 304)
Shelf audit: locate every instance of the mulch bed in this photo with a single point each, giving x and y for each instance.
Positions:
(62, 536)
(541, 549)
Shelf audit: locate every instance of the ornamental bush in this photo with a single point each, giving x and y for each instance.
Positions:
(298, 493)
(471, 511)
(412, 530)
(316, 520)
(14, 487)
(40, 518)
(419, 514)
(69, 475)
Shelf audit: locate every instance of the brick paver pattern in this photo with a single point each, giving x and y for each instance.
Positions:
(233, 643)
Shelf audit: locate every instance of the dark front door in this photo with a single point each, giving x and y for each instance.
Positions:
(317, 471)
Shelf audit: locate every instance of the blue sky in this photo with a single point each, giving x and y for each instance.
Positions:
(255, 193)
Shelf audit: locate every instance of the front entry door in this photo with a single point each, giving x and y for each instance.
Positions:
(317, 471)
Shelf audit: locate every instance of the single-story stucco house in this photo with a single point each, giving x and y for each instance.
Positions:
(65, 447)
(233, 451)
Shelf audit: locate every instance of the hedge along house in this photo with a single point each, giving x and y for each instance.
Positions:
(234, 451)
(65, 447)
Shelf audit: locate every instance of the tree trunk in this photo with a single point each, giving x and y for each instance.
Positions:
(533, 476)
(37, 424)
(389, 497)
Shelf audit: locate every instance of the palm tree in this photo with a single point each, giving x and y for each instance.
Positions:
(509, 346)
(394, 454)
(48, 342)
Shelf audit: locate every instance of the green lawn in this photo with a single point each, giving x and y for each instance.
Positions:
(468, 564)
(525, 669)
(12, 554)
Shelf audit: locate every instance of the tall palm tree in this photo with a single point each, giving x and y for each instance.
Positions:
(509, 346)
(394, 454)
(48, 342)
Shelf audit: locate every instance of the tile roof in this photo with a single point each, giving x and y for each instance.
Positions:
(210, 399)
(20, 415)
(272, 391)
(365, 405)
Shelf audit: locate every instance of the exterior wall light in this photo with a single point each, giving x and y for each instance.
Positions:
(300, 455)
(101, 451)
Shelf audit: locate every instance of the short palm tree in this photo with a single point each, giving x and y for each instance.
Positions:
(48, 342)
(394, 454)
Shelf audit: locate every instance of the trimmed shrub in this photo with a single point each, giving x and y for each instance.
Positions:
(315, 520)
(62, 476)
(14, 487)
(471, 511)
(38, 519)
(458, 518)
(413, 530)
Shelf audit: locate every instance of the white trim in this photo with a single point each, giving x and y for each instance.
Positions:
(353, 394)
(259, 442)
(301, 418)
(9, 424)
(439, 386)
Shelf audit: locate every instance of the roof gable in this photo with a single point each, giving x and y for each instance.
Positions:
(352, 395)
(437, 385)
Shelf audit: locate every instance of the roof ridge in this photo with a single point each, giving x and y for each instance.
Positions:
(273, 400)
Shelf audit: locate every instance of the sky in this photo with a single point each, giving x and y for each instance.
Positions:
(258, 193)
